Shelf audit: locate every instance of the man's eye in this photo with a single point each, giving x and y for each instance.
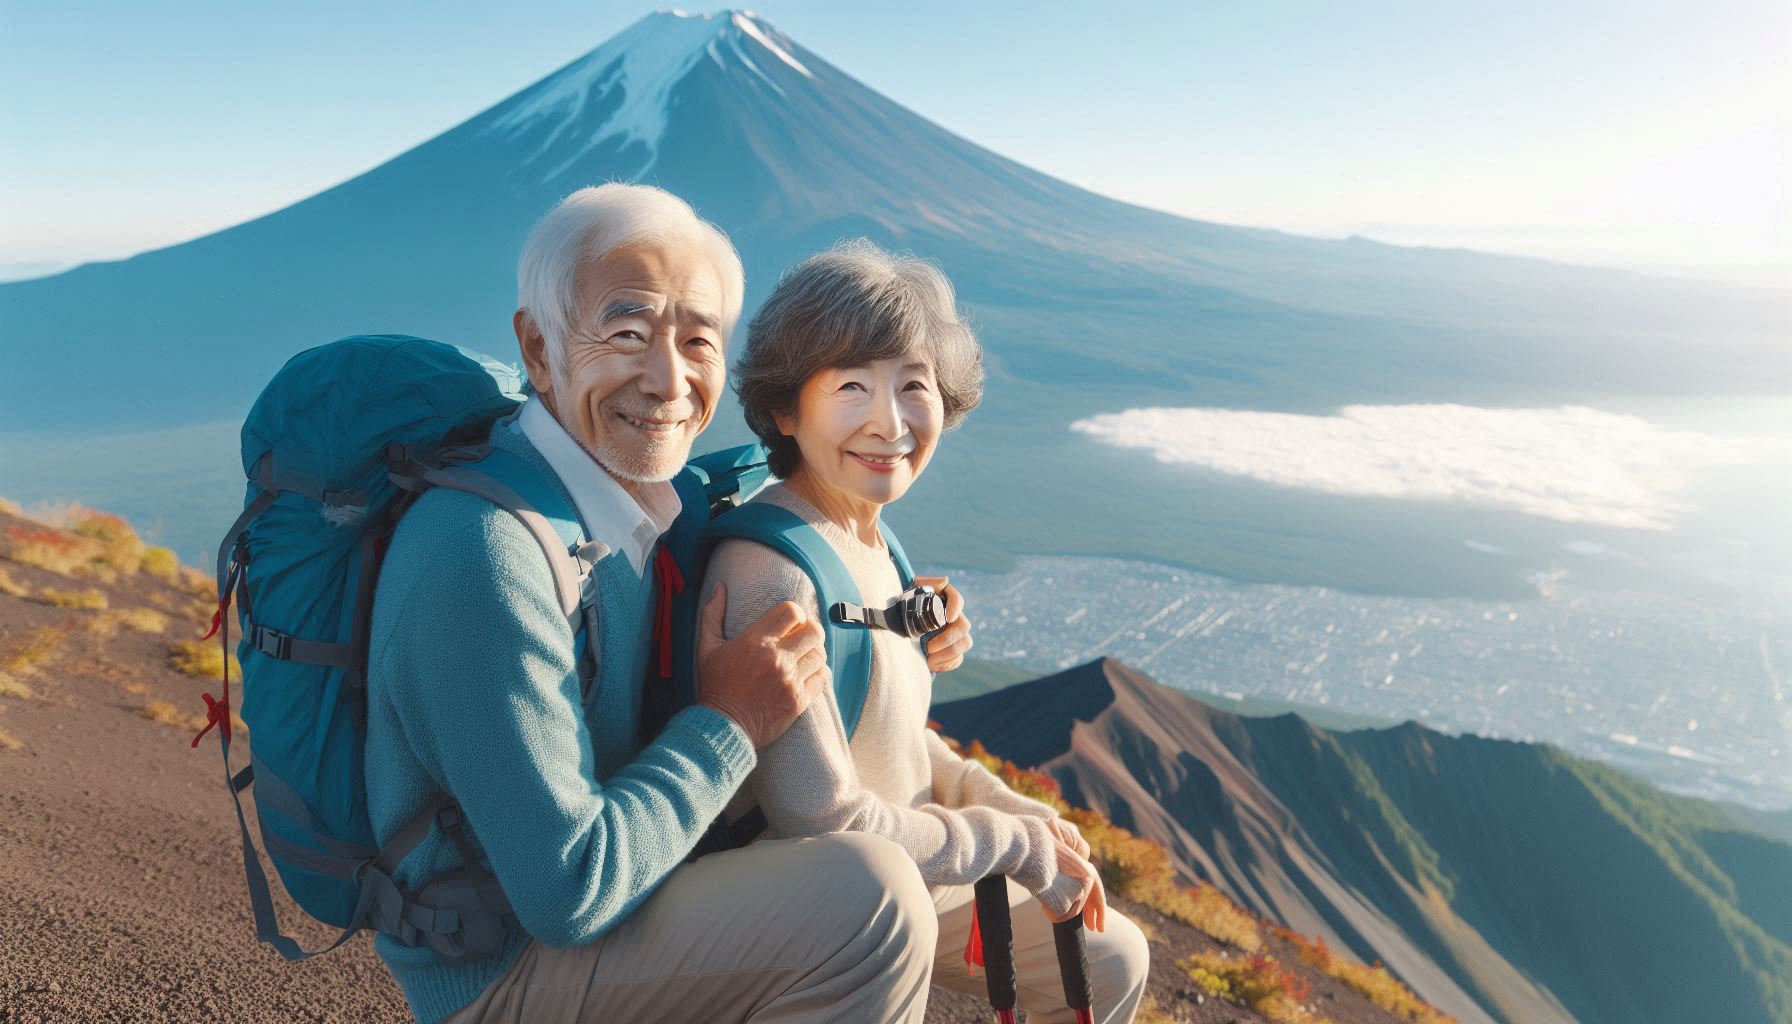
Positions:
(701, 342)
(627, 336)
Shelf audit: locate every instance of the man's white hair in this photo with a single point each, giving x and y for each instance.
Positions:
(595, 221)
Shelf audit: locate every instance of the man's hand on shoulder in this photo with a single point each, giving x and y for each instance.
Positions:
(765, 677)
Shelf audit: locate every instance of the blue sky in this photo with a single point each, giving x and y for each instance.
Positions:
(1646, 134)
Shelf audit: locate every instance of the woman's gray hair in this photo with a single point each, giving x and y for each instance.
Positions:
(589, 225)
(849, 306)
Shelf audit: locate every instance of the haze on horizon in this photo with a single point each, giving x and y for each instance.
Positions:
(1596, 132)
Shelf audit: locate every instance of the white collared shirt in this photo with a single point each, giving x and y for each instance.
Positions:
(612, 515)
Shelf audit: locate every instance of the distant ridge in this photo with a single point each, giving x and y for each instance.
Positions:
(1502, 881)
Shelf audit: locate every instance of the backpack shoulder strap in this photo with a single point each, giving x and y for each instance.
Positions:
(903, 568)
(507, 481)
(849, 650)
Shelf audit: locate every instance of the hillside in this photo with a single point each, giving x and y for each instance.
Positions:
(1503, 881)
(121, 878)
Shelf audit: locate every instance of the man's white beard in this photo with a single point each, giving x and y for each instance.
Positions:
(611, 464)
(633, 476)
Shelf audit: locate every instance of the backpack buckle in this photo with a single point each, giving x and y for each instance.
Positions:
(270, 643)
(724, 502)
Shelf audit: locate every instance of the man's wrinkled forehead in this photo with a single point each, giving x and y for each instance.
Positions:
(629, 303)
(655, 281)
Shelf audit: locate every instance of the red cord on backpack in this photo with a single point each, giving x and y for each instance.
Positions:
(217, 711)
(670, 585)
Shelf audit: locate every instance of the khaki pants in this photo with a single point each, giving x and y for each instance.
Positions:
(1118, 959)
(835, 928)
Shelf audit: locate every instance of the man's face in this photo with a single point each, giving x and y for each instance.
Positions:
(643, 364)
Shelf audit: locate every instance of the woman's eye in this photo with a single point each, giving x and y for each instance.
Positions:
(852, 384)
(915, 385)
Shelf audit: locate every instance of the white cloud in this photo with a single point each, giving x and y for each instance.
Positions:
(1574, 464)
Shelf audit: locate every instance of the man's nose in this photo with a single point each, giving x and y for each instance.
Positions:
(665, 374)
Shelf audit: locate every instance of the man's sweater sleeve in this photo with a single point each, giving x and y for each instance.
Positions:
(479, 663)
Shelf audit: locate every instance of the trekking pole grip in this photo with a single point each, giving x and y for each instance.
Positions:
(1073, 965)
(997, 931)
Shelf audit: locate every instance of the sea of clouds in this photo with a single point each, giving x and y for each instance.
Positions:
(1572, 463)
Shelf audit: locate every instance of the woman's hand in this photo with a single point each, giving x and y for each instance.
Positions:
(1092, 901)
(946, 649)
(1069, 836)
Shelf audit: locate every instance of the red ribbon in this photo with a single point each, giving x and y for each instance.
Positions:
(670, 584)
(973, 946)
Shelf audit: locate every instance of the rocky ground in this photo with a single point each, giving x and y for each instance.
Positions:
(121, 885)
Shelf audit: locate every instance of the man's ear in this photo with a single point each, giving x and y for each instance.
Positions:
(534, 349)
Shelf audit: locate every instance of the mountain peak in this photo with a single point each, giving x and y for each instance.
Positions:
(622, 90)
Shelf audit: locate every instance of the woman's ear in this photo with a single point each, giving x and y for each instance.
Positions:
(786, 422)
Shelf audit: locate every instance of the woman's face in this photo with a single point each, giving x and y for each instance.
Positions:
(866, 432)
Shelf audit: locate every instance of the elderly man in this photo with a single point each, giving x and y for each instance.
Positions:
(627, 299)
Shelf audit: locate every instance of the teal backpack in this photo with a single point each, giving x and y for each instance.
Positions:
(336, 448)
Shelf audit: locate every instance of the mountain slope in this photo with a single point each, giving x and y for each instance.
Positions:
(789, 153)
(1501, 880)
(1086, 305)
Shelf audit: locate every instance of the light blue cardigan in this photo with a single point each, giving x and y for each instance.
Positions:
(472, 689)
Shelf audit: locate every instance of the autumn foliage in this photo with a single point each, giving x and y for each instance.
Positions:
(1257, 981)
(1374, 982)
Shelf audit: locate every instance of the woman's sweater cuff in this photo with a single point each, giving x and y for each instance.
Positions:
(1039, 873)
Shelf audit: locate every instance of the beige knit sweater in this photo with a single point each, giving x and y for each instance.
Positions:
(896, 778)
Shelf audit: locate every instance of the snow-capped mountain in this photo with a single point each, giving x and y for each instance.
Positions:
(1086, 305)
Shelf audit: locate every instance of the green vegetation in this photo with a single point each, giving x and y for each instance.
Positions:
(10, 687)
(34, 650)
(1256, 982)
(202, 658)
(161, 563)
(141, 620)
(89, 600)
(1624, 902)
(1373, 982)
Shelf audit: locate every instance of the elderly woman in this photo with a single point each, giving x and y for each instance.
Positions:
(853, 369)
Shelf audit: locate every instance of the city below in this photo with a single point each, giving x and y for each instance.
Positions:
(1684, 694)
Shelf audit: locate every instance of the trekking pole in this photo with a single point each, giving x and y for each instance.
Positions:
(997, 931)
(1073, 967)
